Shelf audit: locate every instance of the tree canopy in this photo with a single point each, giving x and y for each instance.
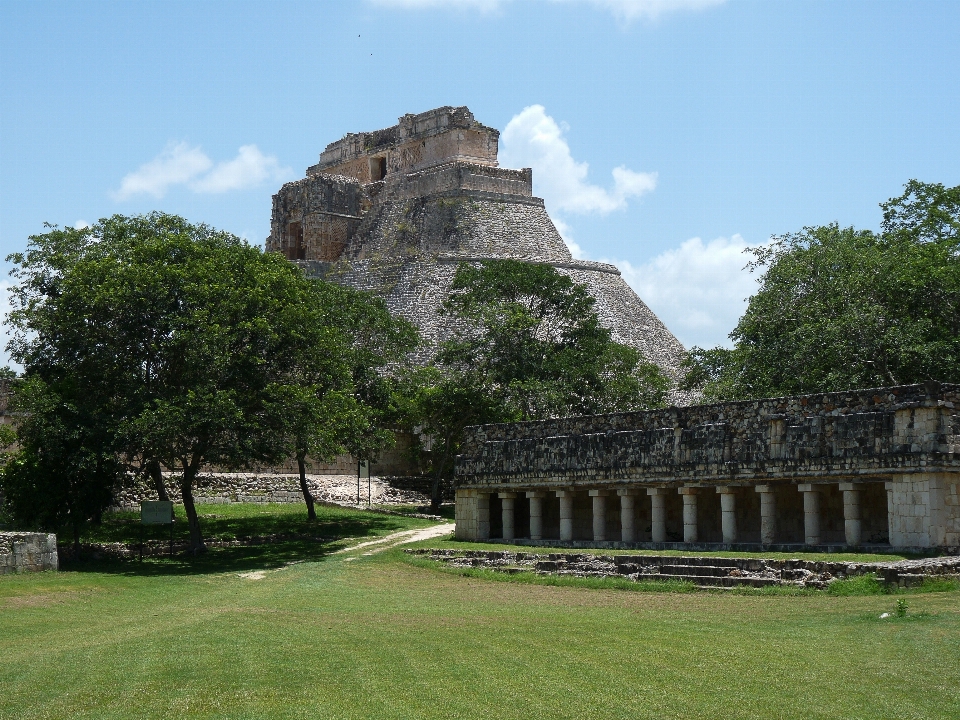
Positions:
(527, 345)
(841, 308)
(190, 347)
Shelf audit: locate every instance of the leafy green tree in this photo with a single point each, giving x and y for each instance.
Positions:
(64, 470)
(441, 403)
(193, 343)
(925, 212)
(840, 308)
(345, 402)
(527, 345)
(532, 337)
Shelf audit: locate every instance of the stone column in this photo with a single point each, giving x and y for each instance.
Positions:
(689, 513)
(536, 513)
(811, 513)
(506, 503)
(483, 516)
(599, 514)
(768, 514)
(728, 514)
(918, 506)
(658, 514)
(566, 514)
(852, 526)
(892, 524)
(628, 515)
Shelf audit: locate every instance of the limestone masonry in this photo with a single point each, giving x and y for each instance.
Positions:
(27, 552)
(877, 467)
(395, 210)
(701, 571)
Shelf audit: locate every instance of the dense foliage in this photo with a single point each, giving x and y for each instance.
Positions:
(528, 345)
(840, 308)
(154, 342)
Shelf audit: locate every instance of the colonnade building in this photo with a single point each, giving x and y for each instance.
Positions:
(877, 467)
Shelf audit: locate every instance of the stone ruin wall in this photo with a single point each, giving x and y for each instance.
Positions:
(315, 219)
(395, 480)
(27, 552)
(894, 451)
(837, 432)
(260, 487)
(417, 141)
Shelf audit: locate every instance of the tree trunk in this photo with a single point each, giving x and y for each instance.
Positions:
(307, 495)
(76, 540)
(196, 545)
(156, 474)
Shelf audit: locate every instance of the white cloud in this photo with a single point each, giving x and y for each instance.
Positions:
(180, 164)
(249, 168)
(482, 5)
(698, 290)
(566, 232)
(534, 139)
(80, 225)
(624, 10)
(630, 10)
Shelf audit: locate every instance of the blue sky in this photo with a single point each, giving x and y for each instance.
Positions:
(666, 136)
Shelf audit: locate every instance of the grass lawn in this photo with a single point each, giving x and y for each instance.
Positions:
(349, 635)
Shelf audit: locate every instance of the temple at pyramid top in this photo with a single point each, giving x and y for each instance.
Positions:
(416, 142)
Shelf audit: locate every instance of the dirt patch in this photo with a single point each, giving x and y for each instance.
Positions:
(255, 575)
(39, 600)
(401, 538)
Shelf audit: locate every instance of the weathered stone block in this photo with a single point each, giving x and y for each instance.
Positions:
(27, 552)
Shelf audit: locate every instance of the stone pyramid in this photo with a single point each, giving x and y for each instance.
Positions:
(394, 211)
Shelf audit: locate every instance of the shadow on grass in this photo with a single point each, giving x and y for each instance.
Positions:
(215, 560)
(272, 537)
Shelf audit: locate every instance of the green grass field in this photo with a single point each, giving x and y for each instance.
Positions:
(294, 629)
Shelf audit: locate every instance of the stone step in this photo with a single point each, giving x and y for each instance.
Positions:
(714, 581)
(701, 571)
(742, 563)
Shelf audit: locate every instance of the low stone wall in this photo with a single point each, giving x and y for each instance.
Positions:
(223, 488)
(703, 571)
(27, 552)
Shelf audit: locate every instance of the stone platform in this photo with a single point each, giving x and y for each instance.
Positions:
(704, 572)
(27, 552)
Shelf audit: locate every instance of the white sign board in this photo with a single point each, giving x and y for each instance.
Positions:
(156, 512)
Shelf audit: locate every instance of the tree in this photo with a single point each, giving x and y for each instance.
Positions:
(192, 342)
(527, 345)
(441, 403)
(841, 308)
(532, 336)
(345, 403)
(64, 470)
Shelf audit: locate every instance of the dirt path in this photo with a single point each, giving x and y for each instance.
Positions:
(400, 538)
